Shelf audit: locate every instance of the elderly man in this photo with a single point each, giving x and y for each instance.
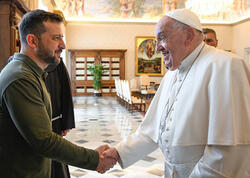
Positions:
(200, 115)
(27, 142)
(210, 37)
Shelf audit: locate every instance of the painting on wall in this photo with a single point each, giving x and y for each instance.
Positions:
(152, 10)
(111, 9)
(148, 60)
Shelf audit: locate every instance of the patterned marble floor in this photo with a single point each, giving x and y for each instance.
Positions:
(101, 121)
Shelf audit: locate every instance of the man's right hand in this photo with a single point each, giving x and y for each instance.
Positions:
(105, 161)
(112, 153)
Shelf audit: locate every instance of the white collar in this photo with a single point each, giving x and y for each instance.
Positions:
(189, 60)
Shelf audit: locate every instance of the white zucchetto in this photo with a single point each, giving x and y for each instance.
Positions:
(187, 17)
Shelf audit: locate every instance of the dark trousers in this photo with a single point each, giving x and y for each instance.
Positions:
(59, 170)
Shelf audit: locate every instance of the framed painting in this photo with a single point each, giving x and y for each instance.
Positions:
(148, 60)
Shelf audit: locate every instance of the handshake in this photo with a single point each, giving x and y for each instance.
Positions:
(108, 157)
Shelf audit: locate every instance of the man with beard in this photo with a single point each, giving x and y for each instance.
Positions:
(200, 115)
(58, 85)
(27, 142)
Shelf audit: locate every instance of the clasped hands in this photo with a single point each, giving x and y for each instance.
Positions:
(108, 157)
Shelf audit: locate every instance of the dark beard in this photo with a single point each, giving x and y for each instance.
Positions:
(44, 55)
(50, 60)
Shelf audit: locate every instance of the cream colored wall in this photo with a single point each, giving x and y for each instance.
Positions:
(241, 33)
(234, 37)
(109, 36)
(224, 35)
(122, 36)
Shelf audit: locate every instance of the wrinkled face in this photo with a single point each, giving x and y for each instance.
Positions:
(51, 43)
(171, 42)
(209, 39)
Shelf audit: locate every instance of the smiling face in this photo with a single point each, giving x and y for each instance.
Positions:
(171, 42)
(51, 43)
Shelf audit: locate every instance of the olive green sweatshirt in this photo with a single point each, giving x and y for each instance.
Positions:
(27, 143)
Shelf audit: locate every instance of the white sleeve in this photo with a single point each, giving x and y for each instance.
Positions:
(223, 162)
(134, 148)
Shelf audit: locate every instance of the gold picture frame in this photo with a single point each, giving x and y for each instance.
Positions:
(149, 61)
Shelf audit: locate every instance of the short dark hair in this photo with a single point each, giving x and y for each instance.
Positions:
(32, 23)
(209, 30)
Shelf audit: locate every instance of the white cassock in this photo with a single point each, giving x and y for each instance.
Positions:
(199, 117)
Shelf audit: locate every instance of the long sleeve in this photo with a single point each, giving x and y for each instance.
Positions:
(223, 162)
(134, 148)
(31, 117)
(25, 117)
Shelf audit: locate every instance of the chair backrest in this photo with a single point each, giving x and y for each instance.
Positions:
(134, 85)
(123, 90)
(128, 92)
(119, 88)
(116, 87)
(144, 81)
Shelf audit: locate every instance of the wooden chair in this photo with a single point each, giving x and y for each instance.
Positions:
(144, 82)
(133, 103)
